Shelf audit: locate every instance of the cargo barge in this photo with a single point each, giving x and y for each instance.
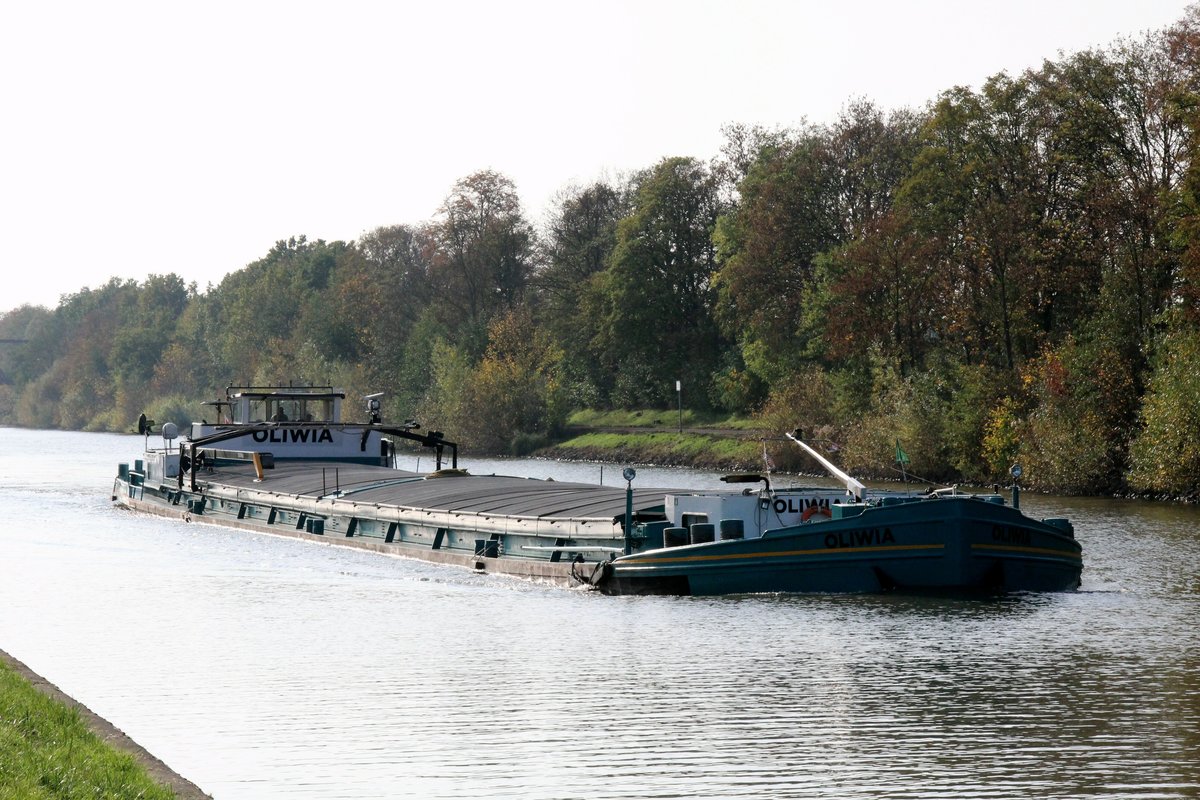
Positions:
(280, 460)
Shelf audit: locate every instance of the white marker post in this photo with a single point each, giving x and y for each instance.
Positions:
(679, 395)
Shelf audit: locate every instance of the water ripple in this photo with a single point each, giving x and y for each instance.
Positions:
(263, 667)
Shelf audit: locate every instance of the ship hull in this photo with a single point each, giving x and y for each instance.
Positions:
(576, 534)
(492, 524)
(945, 545)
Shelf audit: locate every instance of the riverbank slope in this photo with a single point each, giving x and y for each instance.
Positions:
(84, 771)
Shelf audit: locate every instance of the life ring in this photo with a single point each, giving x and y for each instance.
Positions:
(811, 510)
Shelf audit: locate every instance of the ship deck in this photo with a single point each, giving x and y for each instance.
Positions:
(490, 495)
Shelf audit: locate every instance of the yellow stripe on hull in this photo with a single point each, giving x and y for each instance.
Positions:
(648, 560)
(1040, 551)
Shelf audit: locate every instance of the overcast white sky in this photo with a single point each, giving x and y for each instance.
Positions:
(154, 137)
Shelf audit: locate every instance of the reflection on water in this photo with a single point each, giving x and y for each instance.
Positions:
(264, 667)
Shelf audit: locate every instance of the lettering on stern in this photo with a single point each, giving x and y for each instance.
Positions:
(1010, 535)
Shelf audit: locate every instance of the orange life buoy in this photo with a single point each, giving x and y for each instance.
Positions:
(811, 510)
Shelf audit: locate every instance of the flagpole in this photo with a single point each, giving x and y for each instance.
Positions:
(902, 461)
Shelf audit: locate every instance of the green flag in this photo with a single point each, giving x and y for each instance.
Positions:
(901, 456)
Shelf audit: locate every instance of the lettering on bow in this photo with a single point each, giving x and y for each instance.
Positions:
(865, 537)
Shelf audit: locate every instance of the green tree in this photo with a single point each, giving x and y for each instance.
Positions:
(802, 197)
(271, 304)
(512, 399)
(1184, 48)
(911, 410)
(23, 326)
(577, 247)
(191, 364)
(394, 289)
(768, 247)
(1077, 433)
(77, 385)
(978, 195)
(658, 323)
(1124, 136)
(1165, 455)
(148, 327)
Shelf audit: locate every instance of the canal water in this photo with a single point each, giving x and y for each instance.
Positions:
(264, 667)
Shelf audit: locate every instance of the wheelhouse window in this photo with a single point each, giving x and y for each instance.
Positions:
(292, 408)
(315, 410)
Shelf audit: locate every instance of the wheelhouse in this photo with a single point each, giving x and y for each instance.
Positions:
(249, 405)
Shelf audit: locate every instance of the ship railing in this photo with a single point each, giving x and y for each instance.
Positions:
(566, 548)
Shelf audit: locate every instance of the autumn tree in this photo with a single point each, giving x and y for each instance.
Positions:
(512, 400)
(484, 252)
(1165, 451)
(1122, 141)
(886, 291)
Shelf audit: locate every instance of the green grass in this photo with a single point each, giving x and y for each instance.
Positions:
(709, 440)
(651, 418)
(663, 448)
(47, 751)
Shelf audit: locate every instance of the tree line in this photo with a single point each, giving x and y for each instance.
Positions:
(1010, 273)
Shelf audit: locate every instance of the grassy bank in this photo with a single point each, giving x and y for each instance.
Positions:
(666, 420)
(648, 436)
(701, 450)
(48, 751)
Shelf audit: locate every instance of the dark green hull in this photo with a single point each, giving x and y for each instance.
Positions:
(571, 532)
(955, 544)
